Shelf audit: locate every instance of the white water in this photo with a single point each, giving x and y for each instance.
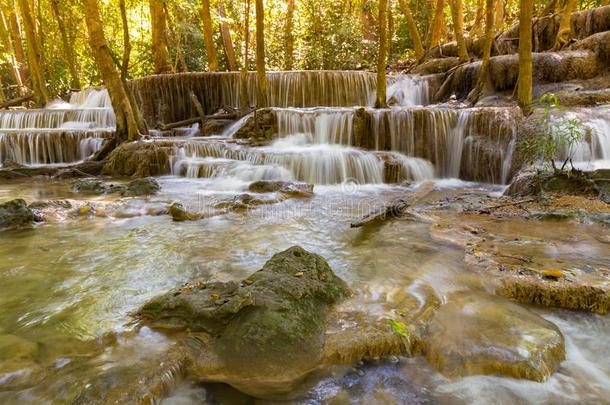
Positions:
(60, 133)
(593, 151)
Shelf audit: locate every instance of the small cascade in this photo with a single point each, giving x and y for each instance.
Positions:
(322, 125)
(166, 98)
(594, 149)
(60, 133)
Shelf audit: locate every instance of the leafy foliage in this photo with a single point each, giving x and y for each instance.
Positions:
(554, 136)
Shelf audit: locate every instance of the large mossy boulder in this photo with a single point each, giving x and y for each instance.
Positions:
(139, 159)
(15, 214)
(269, 328)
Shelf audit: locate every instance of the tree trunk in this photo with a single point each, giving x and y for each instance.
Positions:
(180, 64)
(8, 48)
(437, 24)
(34, 54)
(261, 95)
(225, 32)
(457, 15)
(475, 94)
(208, 39)
(15, 31)
(413, 31)
(499, 17)
(289, 36)
(550, 8)
(565, 30)
(524, 83)
(476, 30)
(243, 77)
(380, 100)
(160, 53)
(126, 125)
(68, 48)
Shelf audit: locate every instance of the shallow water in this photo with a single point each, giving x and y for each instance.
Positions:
(66, 286)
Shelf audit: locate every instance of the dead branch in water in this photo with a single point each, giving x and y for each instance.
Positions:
(397, 208)
(201, 119)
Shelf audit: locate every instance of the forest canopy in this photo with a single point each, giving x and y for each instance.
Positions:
(299, 35)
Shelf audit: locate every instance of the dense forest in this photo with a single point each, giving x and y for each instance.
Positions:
(47, 40)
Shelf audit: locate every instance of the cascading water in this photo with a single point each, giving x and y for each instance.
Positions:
(593, 151)
(61, 133)
(166, 98)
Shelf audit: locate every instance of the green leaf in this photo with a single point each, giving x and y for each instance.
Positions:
(399, 327)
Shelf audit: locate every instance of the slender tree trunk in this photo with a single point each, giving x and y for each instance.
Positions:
(457, 15)
(289, 36)
(126, 125)
(225, 32)
(565, 30)
(475, 94)
(550, 8)
(380, 100)
(160, 53)
(477, 26)
(437, 24)
(261, 96)
(524, 83)
(244, 94)
(499, 16)
(180, 64)
(34, 53)
(413, 31)
(15, 31)
(208, 39)
(8, 47)
(68, 48)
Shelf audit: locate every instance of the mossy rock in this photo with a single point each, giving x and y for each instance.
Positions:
(142, 187)
(269, 324)
(15, 213)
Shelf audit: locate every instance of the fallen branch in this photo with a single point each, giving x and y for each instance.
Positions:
(397, 208)
(191, 121)
(16, 101)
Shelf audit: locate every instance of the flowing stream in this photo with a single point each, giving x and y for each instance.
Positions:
(69, 285)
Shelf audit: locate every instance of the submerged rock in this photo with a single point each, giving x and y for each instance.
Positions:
(141, 187)
(470, 335)
(268, 330)
(90, 186)
(15, 213)
(179, 213)
(535, 278)
(295, 189)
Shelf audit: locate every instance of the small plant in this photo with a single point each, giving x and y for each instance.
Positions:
(553, 136)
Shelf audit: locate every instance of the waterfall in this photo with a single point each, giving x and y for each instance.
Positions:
(60, 133)
(593, 151)
(166, 98)
(474, 144)
(50, 146)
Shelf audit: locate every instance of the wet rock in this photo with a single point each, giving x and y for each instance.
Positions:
(141, 187)
(471, 335)
(90, 187)
(139, 159)
(440, 65)
(533, 277)
(293, 189)
(15, 214)
(530, 182)
(17, 358)
(268, 329)
(179, 213)
(261, 124)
